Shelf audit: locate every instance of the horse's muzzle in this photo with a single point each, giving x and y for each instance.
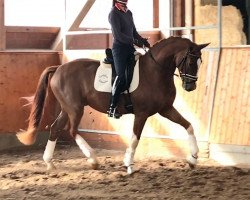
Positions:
(189, 86)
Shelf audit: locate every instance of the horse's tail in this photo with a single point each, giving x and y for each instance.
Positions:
(37, 106)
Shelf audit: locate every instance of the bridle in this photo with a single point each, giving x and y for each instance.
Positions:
(183, 62)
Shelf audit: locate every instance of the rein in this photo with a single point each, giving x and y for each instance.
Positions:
(183, 62)
(151, 55)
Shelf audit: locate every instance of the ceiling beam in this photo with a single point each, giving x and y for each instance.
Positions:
(2, 27)
(75, 25)
(58, 42)
(57, 45)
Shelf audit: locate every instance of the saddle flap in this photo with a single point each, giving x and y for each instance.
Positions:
(103, 78)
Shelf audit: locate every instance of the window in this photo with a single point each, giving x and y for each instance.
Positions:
(34, 13)
(97, 16)
(51, 13)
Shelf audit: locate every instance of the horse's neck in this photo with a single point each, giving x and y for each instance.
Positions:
(154, 71)
(164, 59)
(155, 77)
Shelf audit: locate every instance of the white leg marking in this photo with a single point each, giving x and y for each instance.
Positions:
(87, 151)
(83, 145)
(129, 155)
(192, 145)
(48, 154)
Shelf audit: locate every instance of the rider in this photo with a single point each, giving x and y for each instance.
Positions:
(125, 36)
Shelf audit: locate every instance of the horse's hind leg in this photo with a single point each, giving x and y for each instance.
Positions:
(55, 128)
(139, 123)
(173, 115)
(75, 118)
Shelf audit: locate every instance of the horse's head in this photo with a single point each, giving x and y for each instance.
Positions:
(188, 62)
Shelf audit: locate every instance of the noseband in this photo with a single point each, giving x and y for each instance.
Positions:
(184, 63)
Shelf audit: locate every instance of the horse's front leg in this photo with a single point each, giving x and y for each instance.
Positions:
(139, 122)
(173, 115)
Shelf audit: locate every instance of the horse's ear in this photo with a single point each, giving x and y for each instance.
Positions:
(201, 46)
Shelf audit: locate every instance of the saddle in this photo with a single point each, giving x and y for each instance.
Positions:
(129, 69)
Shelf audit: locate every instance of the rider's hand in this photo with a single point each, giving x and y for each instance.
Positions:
(145, 42)
(138, 43)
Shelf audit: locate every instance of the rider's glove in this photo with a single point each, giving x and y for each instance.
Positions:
(145, 42)
(138, 43)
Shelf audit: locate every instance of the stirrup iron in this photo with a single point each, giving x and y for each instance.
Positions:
(112, 112)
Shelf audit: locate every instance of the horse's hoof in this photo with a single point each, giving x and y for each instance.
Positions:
(192, 166)
(50, 166)
(130, 170)
(192, 162)
(94, 164)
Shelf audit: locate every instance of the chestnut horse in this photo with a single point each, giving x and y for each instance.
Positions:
(73, 86)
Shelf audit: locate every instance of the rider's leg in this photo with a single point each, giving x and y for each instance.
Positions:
(115, 94)
(120, 55)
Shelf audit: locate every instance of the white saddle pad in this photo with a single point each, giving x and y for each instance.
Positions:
(103, 78)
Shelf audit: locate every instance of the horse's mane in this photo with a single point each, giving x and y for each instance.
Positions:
(169, 40)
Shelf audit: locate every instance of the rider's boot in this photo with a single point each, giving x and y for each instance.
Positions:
(113, 112)
(116, 90)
